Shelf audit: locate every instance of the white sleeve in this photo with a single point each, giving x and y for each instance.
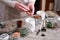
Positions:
(9, 2)
(32, 1)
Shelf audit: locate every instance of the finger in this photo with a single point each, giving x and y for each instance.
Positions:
(32, 10)
(25, 7)
(28, 13)
(31, 14)
(21, 8)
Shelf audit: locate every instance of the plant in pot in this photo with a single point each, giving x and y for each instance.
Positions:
(49, 25)
(23, 32)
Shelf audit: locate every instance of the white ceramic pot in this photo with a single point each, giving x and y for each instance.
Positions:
(58, 21)
(4, 37)
(42, 14)
(30, 22)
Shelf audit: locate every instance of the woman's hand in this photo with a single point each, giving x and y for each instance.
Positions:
(28, 9)
(32, 9)
(19, 6)
(22, 7)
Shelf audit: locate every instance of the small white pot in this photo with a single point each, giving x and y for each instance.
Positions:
(4, 37)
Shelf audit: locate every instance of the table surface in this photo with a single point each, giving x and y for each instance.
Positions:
(50, 34)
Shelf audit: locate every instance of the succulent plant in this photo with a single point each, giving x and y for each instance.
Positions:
(49, 25)
(23, 32)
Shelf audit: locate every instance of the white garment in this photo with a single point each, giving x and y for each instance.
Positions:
(8, 13)
(12, 2)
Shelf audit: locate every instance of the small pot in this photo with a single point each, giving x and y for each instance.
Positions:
(4, 37)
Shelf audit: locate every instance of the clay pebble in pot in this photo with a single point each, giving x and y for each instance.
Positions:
(16, 35)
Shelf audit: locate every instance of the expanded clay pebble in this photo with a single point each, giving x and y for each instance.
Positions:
(43, 35)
